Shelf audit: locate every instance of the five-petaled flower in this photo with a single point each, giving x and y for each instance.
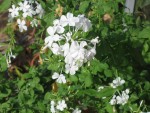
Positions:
(60, 78)
(22, 25)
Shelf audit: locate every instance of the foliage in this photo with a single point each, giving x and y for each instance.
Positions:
(26, 84)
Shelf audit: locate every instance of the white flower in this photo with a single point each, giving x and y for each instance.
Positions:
(52, 109)
(66, 48)
(60, 78)
(90, 53)
(58, 27)
(120, 99)
(113, 100)
(76, 111)
(34, 23)
(71, 69)
(95, 41)
(61, 105)
(84, 23)
(77, 51)
(22, 25)
(123, 98)
(56, 49)
(39, 10)
(29, 12)
(24, 6)
(68, 20)
(117, 82)
(14, 11)
(51, 31)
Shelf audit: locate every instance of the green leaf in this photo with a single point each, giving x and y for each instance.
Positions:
(5, 5)
(5, 93)
(108, 73)
(83, 6)
(145, 33)
(3, 63)
(88, 80)
(90, 92)
(73, 78)
(109, 108)
(106, 92)
(47, 96)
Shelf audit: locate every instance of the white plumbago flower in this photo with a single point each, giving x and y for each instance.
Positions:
(58, 27)
(78, 51)
(71, 69)
(69, 19)
(52, 109)
(84, 23)
(24, 6)
(60, 78)
(123, 98)
(67, 43)
(39, 10)
(14, 11)
(117, 82)
(66, 48)
(51, 31)
(22, 25)
(77, 111)
(61, 105)
(34, 23)
(90, 54)
(30, 12)
(95, 41)
(113, 101)
(56, 49)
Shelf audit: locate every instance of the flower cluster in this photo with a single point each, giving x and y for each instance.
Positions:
(23, 10)
(65, 39)
(117, 82)
(60, 106)
(121, 99)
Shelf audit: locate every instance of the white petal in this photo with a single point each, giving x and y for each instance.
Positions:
(55, 75)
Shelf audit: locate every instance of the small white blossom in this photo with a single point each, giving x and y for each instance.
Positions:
(120, 99)
(14, 11)
(117, 82)
(39, 10)
(95, 41)
(52, 109)
(61, 105)
(69, 19)
(60, 78)
(84, 23)
(113, 100)
(77, 111)
(22, 25)
(71, 69)
(24, 6)
(123, 98)
(58, 27)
